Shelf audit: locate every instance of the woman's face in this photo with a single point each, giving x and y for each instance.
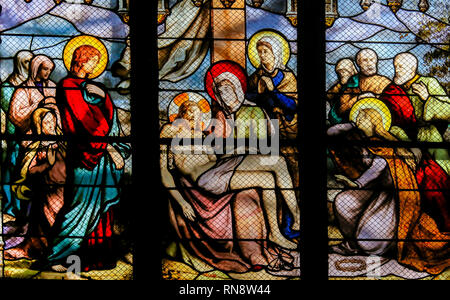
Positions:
(266, 56)
(44, 71)
(363, 123)
(228, 95)
(90, 65)
(26, 63)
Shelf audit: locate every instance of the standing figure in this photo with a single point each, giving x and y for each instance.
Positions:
(430, 102)
(30, 94)
(431, 108)
(94, 169)
(11, 149)
(367, 83)
(274, 87)
(346, 71)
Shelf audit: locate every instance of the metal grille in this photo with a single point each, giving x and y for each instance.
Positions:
(66, 150)
(238, 218)
(388, 113)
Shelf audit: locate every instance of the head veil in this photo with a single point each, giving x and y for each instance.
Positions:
(36, 63)
(237, 88)
(231, 71)
(21, 67)
(21, 189)
(277, 50)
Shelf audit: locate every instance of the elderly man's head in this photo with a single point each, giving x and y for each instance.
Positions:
(405, 65)
(367, 61)
(345, 68)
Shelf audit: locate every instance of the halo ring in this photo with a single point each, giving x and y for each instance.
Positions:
(373, 103)
(82, 40)
(205, 108)
(253, 53)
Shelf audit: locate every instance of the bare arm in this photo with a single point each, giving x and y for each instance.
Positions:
(169, 183)
(340, 129)
(375, 169)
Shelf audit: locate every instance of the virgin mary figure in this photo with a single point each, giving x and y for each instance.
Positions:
(273, 86)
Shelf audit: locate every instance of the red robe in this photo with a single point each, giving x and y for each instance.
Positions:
(83, 119)
(80, 118)
(434, 186)
(400, 106)
(433, 182)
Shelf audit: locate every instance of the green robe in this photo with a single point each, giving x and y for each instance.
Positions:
(435, 108)
(244, 116)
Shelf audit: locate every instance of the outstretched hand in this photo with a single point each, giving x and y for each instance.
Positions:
(117, 158)
(421, 90)
(95, 90)
(346, 181)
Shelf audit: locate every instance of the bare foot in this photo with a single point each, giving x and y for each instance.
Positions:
(15, 253)
(282, 241)
(296, 225)
(59, 268)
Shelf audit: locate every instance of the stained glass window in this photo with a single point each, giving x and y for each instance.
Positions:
(388, 112)
(228, 104)
(65, 139)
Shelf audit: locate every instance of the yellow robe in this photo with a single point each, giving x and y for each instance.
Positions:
(288, 86)
(432, 254)
(374, 84)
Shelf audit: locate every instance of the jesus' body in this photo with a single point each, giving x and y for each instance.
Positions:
(230, 173)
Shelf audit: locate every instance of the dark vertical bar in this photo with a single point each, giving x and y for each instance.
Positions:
(313, 243)
(145, 134)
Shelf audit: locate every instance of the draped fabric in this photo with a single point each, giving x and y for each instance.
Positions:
(400, 106)
(229, 233)
(92, 176)
(434, 185)
(182, 47)
(9, 157)
(421, 244)
(84, 118)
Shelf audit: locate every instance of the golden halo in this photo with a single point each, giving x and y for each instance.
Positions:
(253, 53)
(82, 40)
(376, 104)
(202, 103)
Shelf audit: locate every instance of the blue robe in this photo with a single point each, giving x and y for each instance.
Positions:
(93, 193)
(11, 205)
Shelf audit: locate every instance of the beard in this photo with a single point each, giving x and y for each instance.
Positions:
(402, 79)
(369, 71)
(344, 79)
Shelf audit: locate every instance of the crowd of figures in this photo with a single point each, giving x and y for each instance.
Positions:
(396, 200)
(237, 212)
(58, 186)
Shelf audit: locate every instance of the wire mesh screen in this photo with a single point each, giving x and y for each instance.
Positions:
(229, 160)
(65, 140)
(388, 113)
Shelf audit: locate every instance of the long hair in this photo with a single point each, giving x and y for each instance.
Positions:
(374, 117)
(82, 55)
(185, 106)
